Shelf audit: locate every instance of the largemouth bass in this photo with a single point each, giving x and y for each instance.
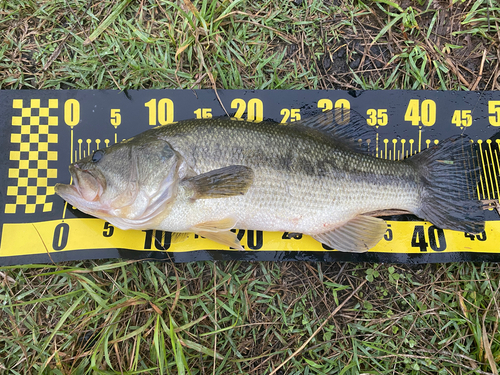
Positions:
(209, 176)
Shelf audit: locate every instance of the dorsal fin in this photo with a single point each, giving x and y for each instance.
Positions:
(345, 125)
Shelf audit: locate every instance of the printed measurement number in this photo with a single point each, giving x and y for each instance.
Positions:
(255, 238)
(435, 238)
(115, 117)
(480, 237)
(60, 237)
(292, 114)
(203, 113)
(462, 118)
(163, 240)
(494, 111)
(161, 113)
(71, 112)
(254, 109)
(377, 117)
(327, 105)
(421, 113)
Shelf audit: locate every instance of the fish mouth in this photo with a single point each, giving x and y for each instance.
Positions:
(85, 191)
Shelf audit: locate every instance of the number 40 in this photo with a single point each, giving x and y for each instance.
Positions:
(421, 113)
(437, 240)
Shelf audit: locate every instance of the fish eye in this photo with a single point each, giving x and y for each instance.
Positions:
(97, 155)
(167, 152)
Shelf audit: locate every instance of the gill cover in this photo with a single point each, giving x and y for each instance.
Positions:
(130, 184)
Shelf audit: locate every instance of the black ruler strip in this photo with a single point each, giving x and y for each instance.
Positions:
(41, 132)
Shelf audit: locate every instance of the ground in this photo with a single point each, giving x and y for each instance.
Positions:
(116, 316)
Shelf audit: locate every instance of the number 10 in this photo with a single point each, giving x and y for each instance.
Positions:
(165, 111)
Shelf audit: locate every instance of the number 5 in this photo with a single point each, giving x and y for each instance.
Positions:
(494, 110)
(116, 118)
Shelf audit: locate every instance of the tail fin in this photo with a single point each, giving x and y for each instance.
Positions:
(449, 198)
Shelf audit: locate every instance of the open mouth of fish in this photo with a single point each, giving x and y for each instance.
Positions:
(86, 188)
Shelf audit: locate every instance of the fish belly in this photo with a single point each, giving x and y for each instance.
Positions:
(295, 203)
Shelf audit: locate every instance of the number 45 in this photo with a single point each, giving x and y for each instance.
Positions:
(462, 117)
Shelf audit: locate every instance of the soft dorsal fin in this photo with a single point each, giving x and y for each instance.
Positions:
(345, 125)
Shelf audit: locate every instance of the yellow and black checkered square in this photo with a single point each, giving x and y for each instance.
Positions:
(31, 139)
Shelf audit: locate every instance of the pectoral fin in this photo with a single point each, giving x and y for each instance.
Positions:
(219, 183)
(219, 231)
(357, 236)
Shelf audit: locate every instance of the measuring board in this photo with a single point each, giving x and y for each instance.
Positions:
(42, 132)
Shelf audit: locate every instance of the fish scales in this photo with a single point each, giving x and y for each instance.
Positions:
(304, 181)
(209, 176)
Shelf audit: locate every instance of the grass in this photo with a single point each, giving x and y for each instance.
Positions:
(234, 317)
(125, 317)
(241, 44)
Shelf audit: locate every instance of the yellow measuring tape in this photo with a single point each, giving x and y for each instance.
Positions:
(77, 234)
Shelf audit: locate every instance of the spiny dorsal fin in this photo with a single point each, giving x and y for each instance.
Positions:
(345, 125)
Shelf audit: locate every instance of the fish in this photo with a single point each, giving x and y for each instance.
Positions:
(315, 176)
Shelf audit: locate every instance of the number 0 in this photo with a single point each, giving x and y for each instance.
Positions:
(71, 112)
(60, 239)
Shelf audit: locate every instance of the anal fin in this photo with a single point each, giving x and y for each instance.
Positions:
(357, 235)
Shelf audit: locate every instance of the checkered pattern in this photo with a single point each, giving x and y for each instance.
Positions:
(30, 182)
